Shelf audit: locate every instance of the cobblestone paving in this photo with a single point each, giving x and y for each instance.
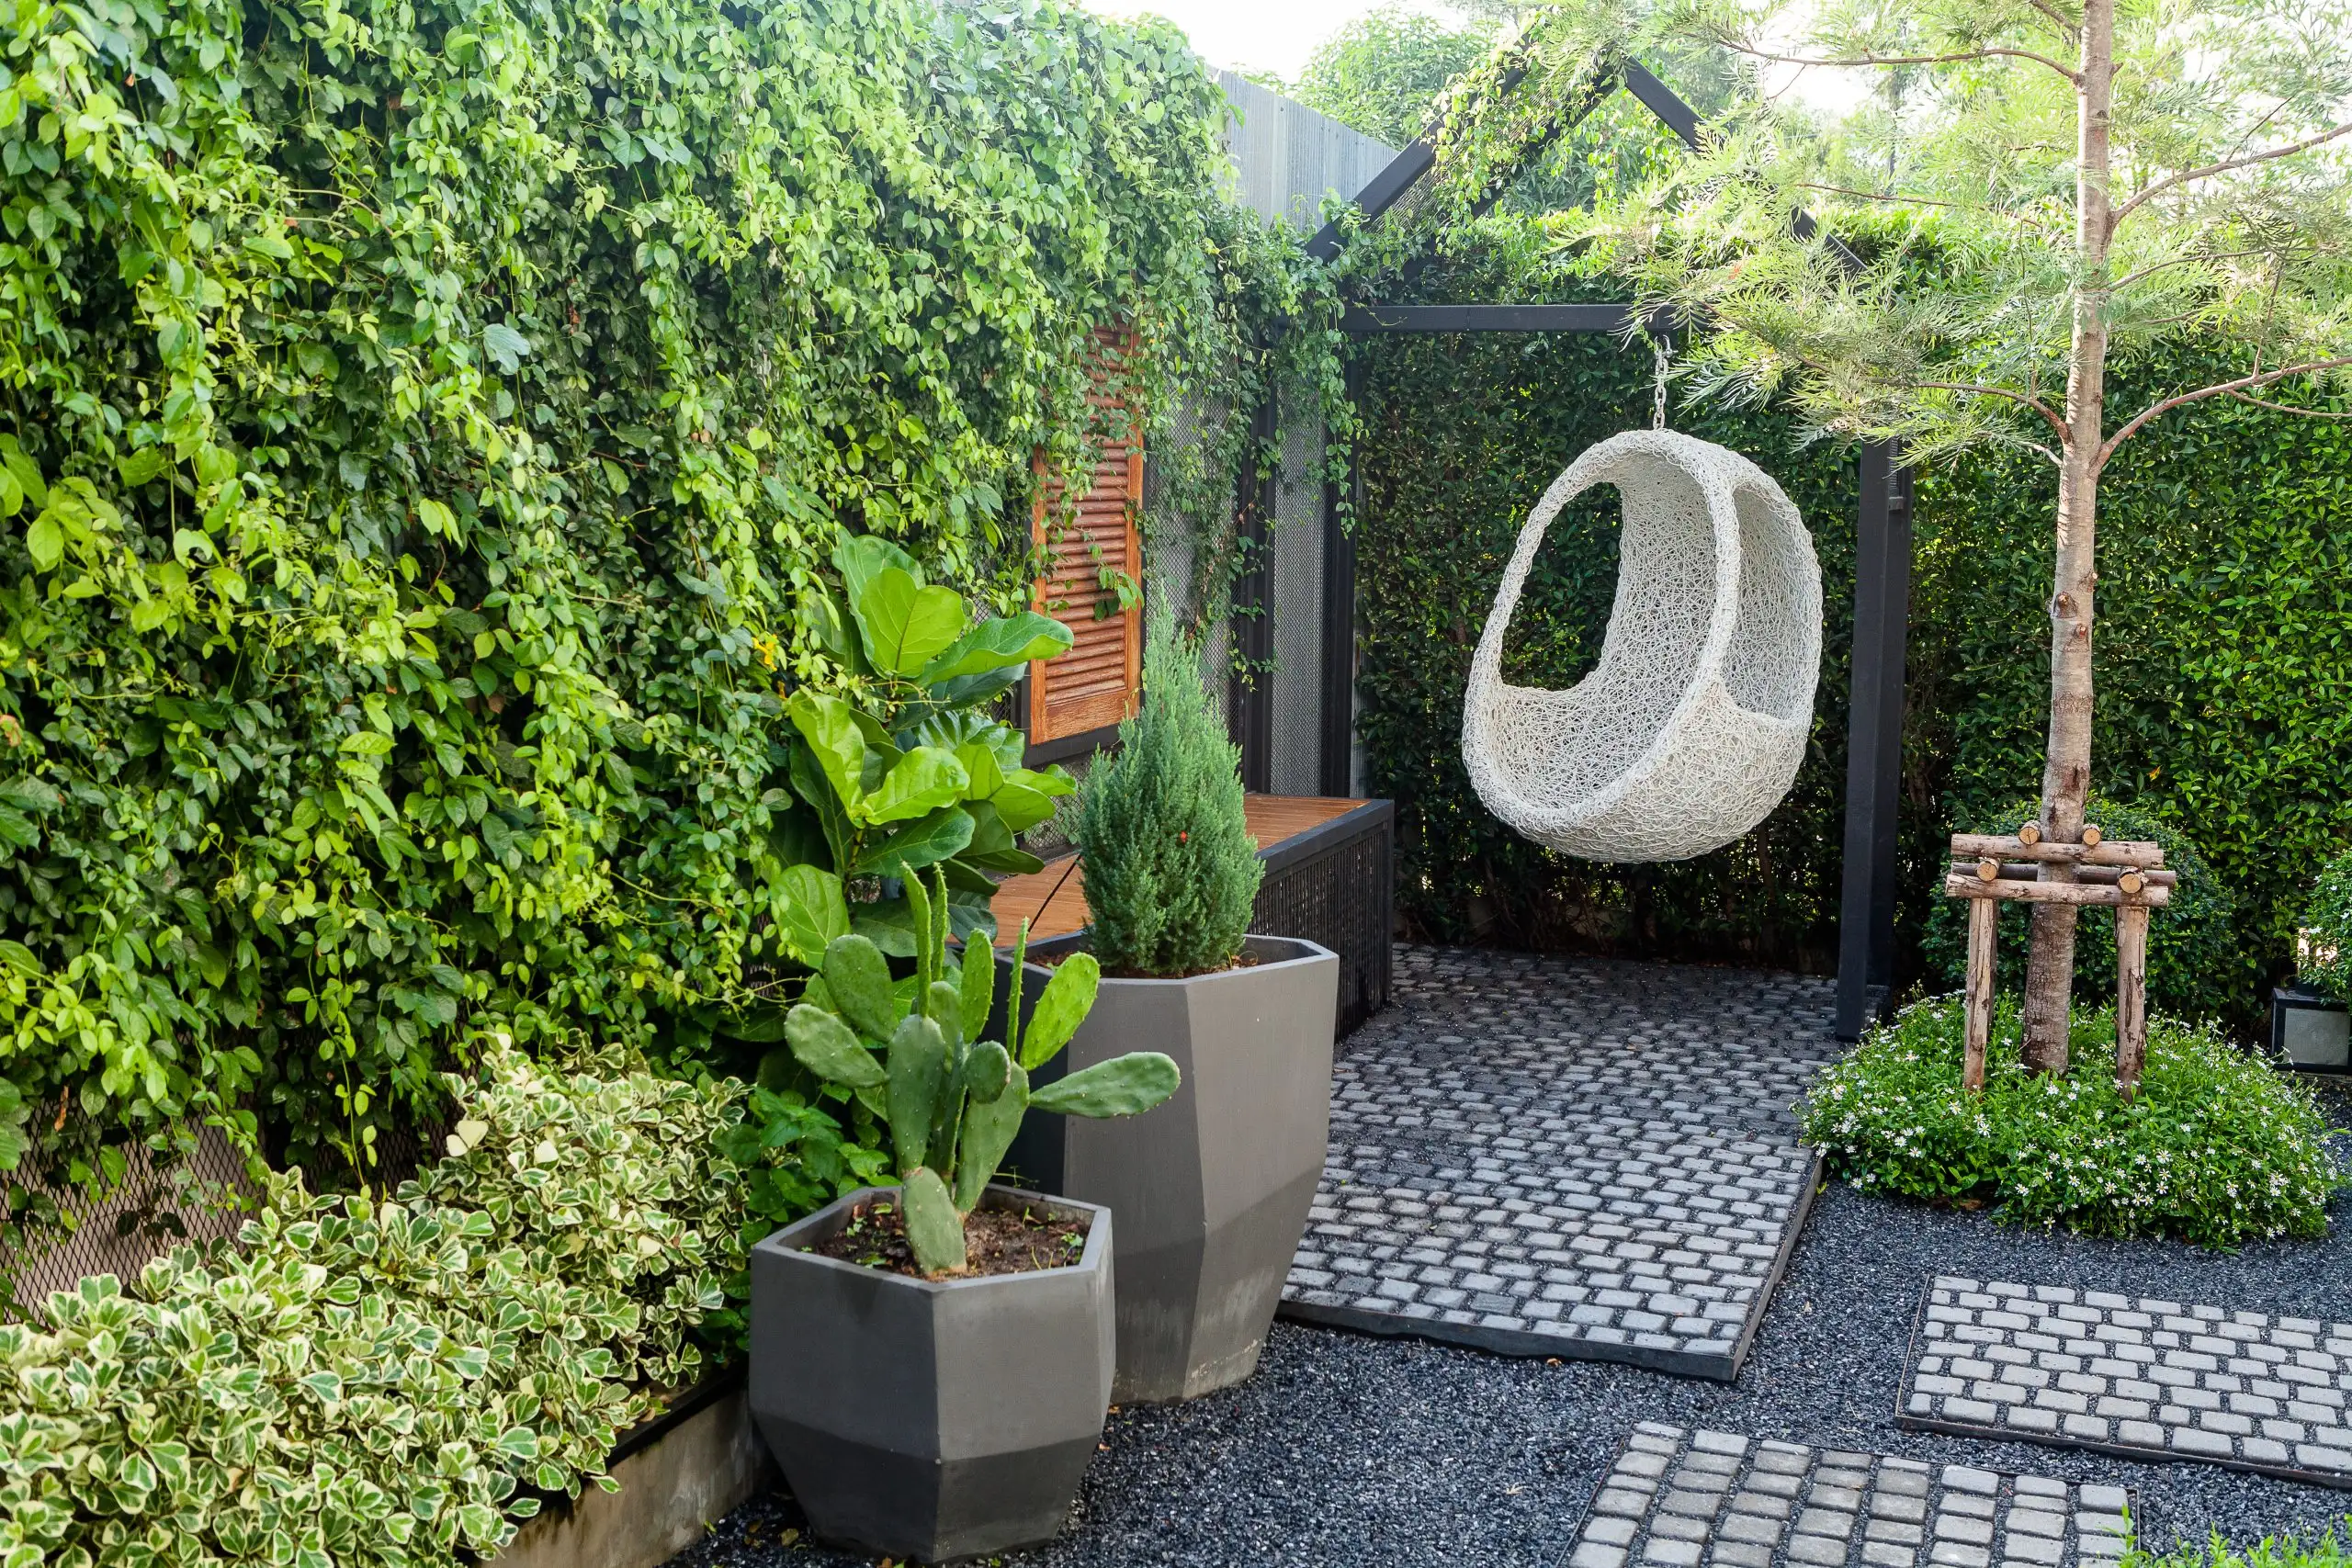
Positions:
(2131, 1375)
(1567, 1158)
(1680, 1499)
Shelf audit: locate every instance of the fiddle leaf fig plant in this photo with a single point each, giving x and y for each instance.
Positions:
(953, 1102)
(919, 775)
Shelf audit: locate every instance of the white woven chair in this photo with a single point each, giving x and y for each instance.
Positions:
(1690, 728)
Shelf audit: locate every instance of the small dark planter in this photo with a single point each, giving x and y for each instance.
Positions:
(1211, 1189)
(932, 1419)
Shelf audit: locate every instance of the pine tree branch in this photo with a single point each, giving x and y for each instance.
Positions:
(1899, 200)
(1884, 60)
(2036, 404)
(2224, 166)
(2225, 388)
(2130, 278)
(2289, 408)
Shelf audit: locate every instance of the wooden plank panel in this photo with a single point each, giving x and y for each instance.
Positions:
(1098, 681)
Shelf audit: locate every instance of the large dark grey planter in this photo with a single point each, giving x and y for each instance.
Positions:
(931, 1419)
(1211, 1189)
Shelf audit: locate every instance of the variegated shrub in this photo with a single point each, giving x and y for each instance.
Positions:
(364, 1382)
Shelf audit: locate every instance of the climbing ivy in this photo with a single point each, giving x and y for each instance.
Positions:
(418, 422)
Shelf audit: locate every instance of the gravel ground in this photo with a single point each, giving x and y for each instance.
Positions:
(1347, 1451)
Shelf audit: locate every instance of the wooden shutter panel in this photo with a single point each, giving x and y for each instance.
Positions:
(1095, 683)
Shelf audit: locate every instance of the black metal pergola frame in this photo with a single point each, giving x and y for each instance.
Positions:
(1882, 571)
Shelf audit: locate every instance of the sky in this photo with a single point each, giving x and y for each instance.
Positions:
(1278, 36)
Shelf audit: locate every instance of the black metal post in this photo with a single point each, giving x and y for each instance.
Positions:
(1253, 606)
(1337, 747)
(1874, 740)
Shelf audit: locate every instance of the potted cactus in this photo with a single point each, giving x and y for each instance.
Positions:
(1212, 1192)
(931, 1363)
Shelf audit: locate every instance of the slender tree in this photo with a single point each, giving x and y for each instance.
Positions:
(2059, 185)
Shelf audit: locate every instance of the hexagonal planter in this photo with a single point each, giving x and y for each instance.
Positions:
(1211, 1189)
(932, 1419)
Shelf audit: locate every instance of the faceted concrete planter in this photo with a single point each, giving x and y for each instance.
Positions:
(1211, 1189)
(931, 1419)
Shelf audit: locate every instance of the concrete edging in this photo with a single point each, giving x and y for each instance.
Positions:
(679, 1475)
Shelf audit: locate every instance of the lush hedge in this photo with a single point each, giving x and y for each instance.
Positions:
(2224, 651)
(1466, 433)
(418, 420)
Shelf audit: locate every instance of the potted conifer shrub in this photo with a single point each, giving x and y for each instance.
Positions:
(1212, 1191)
(931, 1363)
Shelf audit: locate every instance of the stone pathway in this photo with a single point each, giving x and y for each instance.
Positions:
(2148, 1378)
(1557, 1156)
(1679, 1499)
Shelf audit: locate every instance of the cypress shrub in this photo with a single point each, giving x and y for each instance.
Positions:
(1170, 868)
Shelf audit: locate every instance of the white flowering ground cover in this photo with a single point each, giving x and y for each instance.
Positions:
(2218, 1147)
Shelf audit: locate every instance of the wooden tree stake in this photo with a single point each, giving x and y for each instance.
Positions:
(1983, 930)
(2130, 996)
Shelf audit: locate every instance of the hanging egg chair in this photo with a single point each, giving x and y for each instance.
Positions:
(1690, 729)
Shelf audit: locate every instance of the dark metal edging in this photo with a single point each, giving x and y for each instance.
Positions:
(1326, 837)
(1515, 1342)
(1798, 1215)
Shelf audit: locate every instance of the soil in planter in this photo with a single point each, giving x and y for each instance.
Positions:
(996, 1241)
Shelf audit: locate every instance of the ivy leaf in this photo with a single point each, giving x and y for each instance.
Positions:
(508, 347)
(46, 541)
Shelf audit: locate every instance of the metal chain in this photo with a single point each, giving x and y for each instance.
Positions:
(1657, 393)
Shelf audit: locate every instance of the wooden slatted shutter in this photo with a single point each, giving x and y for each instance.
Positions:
(1095, 684)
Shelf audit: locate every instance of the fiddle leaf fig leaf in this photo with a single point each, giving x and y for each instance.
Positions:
(923, 779)
(903, 625)
(994, 645)
(829, 726)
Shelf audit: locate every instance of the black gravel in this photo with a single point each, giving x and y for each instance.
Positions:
(1347, 1451)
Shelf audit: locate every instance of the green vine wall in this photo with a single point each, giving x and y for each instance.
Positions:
(418, 422)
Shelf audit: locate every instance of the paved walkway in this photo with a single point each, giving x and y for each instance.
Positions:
(2122, 1374)
(1573, 1158)
(1677, 1499)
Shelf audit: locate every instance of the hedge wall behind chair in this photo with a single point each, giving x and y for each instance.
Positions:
(2224, 652)
(417, 422)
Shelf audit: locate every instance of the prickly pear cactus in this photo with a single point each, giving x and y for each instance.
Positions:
(954, 1102)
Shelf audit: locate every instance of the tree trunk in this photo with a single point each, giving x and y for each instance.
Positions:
(2066, 774)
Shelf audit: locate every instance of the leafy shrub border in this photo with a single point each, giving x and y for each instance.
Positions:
(385, 1384)
(2220, 1148)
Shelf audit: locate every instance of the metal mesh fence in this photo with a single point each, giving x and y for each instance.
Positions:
(195, 1189)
